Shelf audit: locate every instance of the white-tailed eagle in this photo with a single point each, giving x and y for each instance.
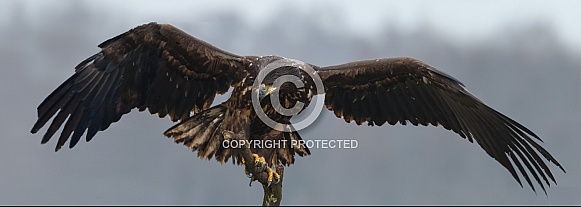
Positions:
(159, 68)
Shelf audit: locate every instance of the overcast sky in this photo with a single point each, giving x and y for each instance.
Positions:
(464, 19)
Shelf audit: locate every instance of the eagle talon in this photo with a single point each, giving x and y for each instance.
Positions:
(275, 181)
(268, 184)
(248, 173)
(272, 176)
(252, 179)
(258, 160)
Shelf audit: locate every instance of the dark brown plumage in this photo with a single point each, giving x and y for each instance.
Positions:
(168, 72)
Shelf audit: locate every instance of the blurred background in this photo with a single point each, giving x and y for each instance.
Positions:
(522, 58)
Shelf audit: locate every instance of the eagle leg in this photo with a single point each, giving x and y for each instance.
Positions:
(272, 175)
(261, 163)
(258, 162)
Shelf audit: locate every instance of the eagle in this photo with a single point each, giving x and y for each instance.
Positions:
(160, 68)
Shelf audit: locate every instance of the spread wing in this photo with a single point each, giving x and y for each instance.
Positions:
(405, 90)
(153, 66)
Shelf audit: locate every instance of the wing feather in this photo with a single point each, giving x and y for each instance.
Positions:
(154, 66)
(407, 90)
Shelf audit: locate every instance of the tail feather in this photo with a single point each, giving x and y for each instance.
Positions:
(211, 147)
(293, 144)
(200, 132)
(286, 155)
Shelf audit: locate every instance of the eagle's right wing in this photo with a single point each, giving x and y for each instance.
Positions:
(154, 66)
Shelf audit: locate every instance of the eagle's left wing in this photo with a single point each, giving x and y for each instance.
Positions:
(404, 90)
